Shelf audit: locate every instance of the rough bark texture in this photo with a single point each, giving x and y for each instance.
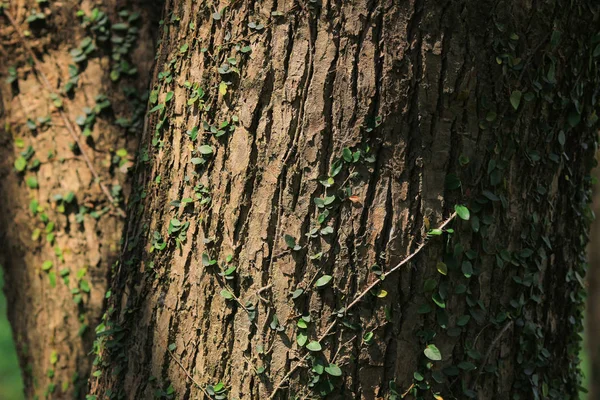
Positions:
(57, 253)
(450, 82)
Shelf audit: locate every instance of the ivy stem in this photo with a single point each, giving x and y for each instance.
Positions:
(489, 351)
(190, 377)
(398, 266)
(356, 301)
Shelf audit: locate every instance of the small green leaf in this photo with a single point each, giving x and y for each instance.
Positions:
(327, 230)
(84, 285)
(290, 241)
(47, 265)
(301, 338)
(302, 324)
(35, 235)
(314, 346)
(333, 370)
(223, 88)
(32, 182)
(157, 107)
(562, 139)
(515, 99)
(120, 27)
(452, 182)
(206, 261)
(114, 75)
(442, 268)
(466, 366)
(429, 285)
(491, 116)
(53, 357)
(205, 149)
(336, 167)
(52, 278)
(153, 97)
(433, 353)
(20, 164)
(467, 269)
(438, 300)
(226, 294)
(347, 154)
(323, 281)
(463, 320)
(462, 212)
(318, 367)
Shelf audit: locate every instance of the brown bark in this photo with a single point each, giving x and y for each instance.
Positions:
(449, 81)
(53, 310)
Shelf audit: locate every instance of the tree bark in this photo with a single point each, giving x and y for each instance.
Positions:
(593, 299)
(328, 142)
(59, 191)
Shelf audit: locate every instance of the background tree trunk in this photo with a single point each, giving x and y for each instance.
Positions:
(409, 108)
(60, 233)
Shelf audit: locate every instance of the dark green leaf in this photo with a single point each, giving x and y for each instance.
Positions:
(452, 182)
(515, 98)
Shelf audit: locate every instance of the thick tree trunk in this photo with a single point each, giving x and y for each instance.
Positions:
(593, 298)
(59, 200)
(329, 138)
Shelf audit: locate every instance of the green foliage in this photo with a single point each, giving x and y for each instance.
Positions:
(11, 385)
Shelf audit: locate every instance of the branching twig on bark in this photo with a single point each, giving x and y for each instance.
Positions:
(489, 351)
(190, 377)
(354, 302)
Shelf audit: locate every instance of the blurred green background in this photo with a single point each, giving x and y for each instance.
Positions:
(585, 367)
(11, 384)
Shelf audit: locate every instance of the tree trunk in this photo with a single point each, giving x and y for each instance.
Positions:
(62, 170)
(593, 298)
(295, 153)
